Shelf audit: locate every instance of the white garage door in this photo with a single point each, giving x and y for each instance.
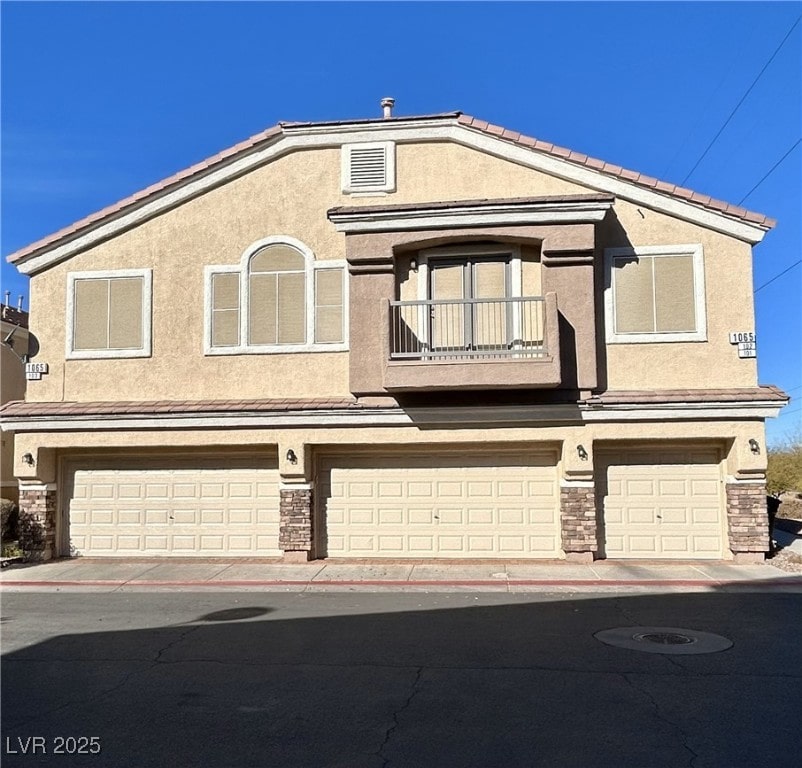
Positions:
(441, 506)
(662, 504)
(179, 508)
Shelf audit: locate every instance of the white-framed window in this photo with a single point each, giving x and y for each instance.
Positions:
(279, 298)
(655, 294)
(109, 314)
(368, 168)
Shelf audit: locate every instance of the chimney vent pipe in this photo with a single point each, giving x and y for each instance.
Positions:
(388, 102)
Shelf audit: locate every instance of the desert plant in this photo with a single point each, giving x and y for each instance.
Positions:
(784, 471)
(9, 521)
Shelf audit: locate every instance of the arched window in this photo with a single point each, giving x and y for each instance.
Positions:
(277, 296)
(278, 299)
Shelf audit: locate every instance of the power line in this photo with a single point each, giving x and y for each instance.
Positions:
(795, 264)
(773, 168)
(743, 98)
(798, 410)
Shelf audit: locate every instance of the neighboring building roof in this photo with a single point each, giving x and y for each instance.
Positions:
(14, 316)
(85, 225)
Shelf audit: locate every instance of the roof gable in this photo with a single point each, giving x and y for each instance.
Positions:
(454, 126)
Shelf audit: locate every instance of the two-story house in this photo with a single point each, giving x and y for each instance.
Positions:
(402, 337)
(13, 351)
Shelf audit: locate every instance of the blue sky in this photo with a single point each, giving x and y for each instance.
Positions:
(102, 99)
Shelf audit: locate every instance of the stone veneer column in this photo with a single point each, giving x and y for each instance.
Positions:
(296, 533)
(747, 519)
(578, 519)
(37, 520)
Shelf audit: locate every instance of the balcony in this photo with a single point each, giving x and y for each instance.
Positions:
(473, 344)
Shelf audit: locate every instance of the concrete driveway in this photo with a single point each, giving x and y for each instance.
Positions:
(359, 680)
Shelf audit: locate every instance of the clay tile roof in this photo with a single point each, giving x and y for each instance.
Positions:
(736, 395)
(615, 170)
(19, 408)
(162, 187)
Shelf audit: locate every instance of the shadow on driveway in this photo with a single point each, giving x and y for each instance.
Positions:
(352, 680)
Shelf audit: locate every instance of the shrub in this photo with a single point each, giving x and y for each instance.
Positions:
(9, 520)
(784, 471)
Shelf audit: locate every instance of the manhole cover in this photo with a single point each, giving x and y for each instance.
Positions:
(669, 640)
(663, 638)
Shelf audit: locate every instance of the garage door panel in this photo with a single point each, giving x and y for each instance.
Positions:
(471, 509)
(185, 509)
(662, 503)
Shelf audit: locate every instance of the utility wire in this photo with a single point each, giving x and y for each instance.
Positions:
(795, 264)
(743, 98)
(773, 168)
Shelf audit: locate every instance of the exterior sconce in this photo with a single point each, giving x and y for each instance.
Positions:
(413, 264)
(27, 458)
(754, 445)
(581, 452)
(291, 457)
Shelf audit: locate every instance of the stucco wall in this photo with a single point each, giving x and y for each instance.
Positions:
(290, 196)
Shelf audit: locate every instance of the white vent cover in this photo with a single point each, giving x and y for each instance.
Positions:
(368, 167)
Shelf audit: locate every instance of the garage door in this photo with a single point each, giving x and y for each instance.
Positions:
(441, 506)
(194, 508)
(662, 504)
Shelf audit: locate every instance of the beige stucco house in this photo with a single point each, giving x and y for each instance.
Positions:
(405, 337)
(13, 349)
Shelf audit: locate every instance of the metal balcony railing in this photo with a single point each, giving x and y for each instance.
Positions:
(468, 329)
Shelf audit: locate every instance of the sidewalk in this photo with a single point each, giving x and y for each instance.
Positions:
(371, 576)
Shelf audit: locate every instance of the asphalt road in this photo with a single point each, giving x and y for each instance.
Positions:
(361, 680)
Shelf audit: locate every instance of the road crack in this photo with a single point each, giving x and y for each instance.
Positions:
(394, 725)
(680, 731)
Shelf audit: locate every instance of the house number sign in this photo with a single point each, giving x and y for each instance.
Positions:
(746, 341)
(34, 371)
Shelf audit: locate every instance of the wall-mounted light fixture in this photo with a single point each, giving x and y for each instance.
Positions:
(754, 445)
(581, 452)
(27, 458)
(413, 264)
(291, 457)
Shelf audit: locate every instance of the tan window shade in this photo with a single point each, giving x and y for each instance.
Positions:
(490, 280)
(490, 319)
(108, 314)
(225, 309)
(329, 306)
(262, 309)
(291, 308)
(125, 313)
(448, 320)
(277, 258)
(91, 315)
(634, 296)
(674, 291)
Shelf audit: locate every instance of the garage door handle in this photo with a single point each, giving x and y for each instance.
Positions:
(659, 517)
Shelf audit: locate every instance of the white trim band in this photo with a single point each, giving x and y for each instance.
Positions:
(35, 485)
(577, 483)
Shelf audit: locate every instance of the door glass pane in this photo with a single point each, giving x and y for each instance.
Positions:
(490, 319)
(448, 320)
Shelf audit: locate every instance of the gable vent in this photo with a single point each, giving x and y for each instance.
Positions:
(368, 167)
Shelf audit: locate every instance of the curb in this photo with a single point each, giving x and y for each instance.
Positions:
(479, 583)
